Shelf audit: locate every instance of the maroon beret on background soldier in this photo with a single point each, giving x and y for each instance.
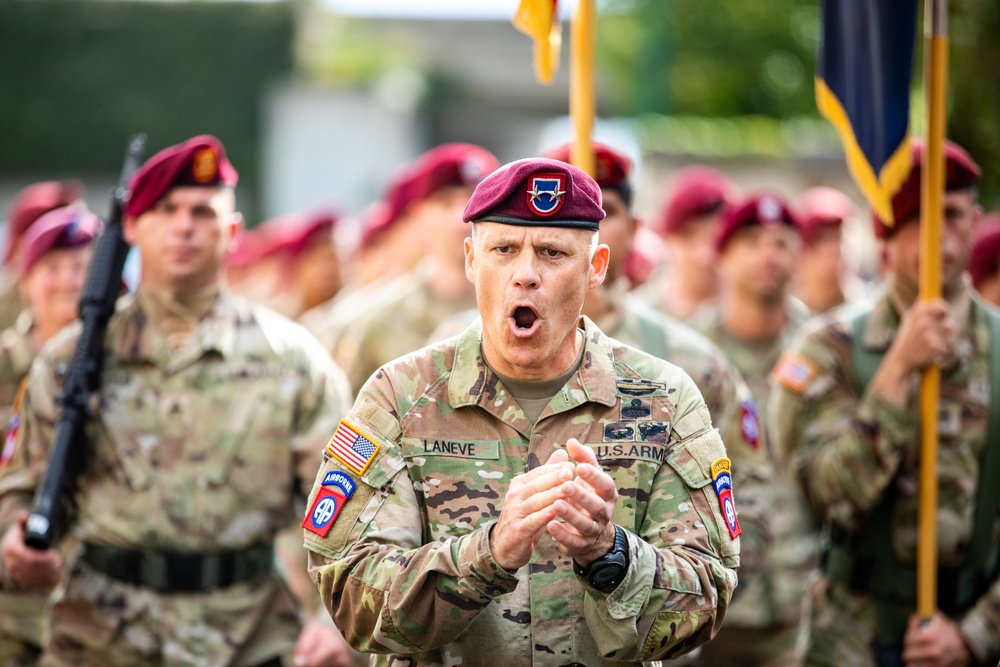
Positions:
(961, 173)
(986, 251)
(698, 191)
(767, 209)
(198, 162)
(447, 165)
(613, 170)
(822, 208)
(537, 192)
(35, 201)
(64, 228)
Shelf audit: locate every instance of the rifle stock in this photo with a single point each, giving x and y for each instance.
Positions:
(83, 376)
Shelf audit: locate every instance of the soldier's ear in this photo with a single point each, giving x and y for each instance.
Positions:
(128, 229)
(470, 261)
(599, 266)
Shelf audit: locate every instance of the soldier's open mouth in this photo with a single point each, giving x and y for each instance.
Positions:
(524, 317)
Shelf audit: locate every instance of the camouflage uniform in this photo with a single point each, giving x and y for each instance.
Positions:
(849, 451)
(396, 321)
(21, 614)
(10, 299)
(407, 569)
(763, 623)
(197, 449)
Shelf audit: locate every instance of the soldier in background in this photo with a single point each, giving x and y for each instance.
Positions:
(822, 281)
(293, 264)
(752, 322)
(213, 412)
(448, 523)
(984, 265)
(54, 253)
(397, 319)
(845, 413)
(691, 222)
(30, 204)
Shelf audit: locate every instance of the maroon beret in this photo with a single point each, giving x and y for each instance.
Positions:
(613, 169)
(767, 209)
(68, 227)
(698, 191)
(961, 173)
(35, 201)
(199, 162)
(537, 192)
(291, 234)
(986, 251)
(823, 207)
(447, 165)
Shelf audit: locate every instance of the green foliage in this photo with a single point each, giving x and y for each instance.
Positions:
(80, 77)
(711, 57)
(975, 89)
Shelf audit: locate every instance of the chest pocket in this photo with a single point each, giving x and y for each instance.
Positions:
(461, 482)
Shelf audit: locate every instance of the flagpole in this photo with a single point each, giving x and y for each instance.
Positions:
(581, 93)
(931, 205)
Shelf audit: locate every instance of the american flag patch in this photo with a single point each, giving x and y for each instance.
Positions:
(352, 447)
(794, 372)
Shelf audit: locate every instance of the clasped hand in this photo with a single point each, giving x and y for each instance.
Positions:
(569, 497)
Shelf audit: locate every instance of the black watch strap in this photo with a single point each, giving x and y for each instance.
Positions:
(606, 572)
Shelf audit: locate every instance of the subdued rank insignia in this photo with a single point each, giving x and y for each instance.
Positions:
(722, 482)
(546, 195)
(204, 166)
(352, 447)
(750, 423)
(794, 372)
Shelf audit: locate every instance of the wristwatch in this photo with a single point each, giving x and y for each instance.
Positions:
(606, 572)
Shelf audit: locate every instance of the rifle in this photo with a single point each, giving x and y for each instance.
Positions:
(83, 376)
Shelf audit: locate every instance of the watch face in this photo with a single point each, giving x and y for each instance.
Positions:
(607, 576)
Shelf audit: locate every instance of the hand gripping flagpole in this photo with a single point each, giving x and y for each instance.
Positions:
(932, 189)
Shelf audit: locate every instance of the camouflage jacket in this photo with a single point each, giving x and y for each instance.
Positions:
(396, 320)
(407, 570)
(199, 449)
(771, 595)
(849, 450)
(16, 354)
(10, 299)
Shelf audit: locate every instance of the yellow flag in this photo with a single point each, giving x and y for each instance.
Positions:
(539, 19)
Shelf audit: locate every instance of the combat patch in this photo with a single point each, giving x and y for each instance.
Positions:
(328, 503)
(352, 447)
(750, 423)
(722, 482)
(641, 387)
(10, 440)
(794, 372)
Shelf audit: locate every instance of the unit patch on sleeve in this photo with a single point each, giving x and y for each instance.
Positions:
(794, 372)
(337, 488)
(352, 447)
(722, 482)
(750, 423)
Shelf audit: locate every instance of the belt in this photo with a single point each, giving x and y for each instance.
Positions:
(180, 572)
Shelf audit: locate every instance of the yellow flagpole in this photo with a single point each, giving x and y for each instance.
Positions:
(581, 93)
(931, 205)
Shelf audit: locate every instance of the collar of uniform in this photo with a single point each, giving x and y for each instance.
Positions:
(596, 376)
(135, 340)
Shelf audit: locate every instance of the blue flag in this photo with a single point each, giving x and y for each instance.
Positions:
(863, 88)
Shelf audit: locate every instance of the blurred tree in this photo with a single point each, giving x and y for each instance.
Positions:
(725, 58)
(79, 77)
